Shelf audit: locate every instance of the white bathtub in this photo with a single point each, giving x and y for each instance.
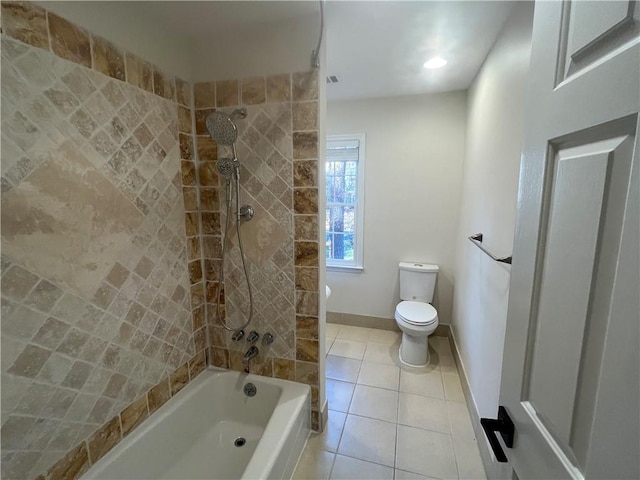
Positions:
(192, 436)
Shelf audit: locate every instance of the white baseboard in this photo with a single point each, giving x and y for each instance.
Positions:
(493, 468)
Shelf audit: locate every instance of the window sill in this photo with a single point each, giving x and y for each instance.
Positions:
(345, 268)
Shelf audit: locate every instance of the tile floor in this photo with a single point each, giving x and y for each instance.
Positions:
(387, 421)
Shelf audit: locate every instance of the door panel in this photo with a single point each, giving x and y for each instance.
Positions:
(569, 291)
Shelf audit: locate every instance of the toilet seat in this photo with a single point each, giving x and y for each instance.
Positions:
(416, 313)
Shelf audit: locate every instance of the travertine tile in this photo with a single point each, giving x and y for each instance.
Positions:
(305, 116)
(284, 368)
(306, 254)
(72, 465)
(107, 58)
(69, 41)
(197, 364)
(158, 395)
(305, 145)
(307, 373)
(18, 282)
(186, 147)
(220, 357)
(307, 350)
(305, 201)
(183, 92)
(179, 379)
(104, 439)
(278, 88)
(306, 327)
(201, 120)
(164, 84)
(227, 93)
(188, 171)
(253, 91)
(306, 227)
(139, 72)
(184, 119)
(133, 415)
(306, 278)
(305, 86)
(305, 173)
(207, 173)
(207, 150)
(26, 22)
(204, 94)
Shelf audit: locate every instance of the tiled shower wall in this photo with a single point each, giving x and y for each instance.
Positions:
(278, 151)
(97, 323)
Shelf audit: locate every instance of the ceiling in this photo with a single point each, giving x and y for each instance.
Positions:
(378, 48)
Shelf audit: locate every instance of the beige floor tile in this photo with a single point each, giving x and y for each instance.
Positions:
(468, 460)
(386, 337)
(314, 464)
(452, 387)
(381, 353)
(379, 375)
(348, 349)
(356, 334)
(340, 368)
(330, 437)
(422, 382)
(423, 412)
(460, 420)
(402, 475)
(368, 439)
(375, 403)
(339, 394)
(332, 330)
(348, 468)
(425, 452)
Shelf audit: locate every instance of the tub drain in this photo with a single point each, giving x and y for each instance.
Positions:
(240, 442)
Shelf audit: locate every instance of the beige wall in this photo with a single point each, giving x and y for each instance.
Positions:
(414, 153)
(492, 161)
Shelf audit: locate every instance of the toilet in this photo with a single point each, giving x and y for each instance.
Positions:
(414, 315)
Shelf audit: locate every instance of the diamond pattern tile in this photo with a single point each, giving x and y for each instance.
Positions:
(93, 246)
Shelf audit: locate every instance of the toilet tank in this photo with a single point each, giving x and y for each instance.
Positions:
(417, 281)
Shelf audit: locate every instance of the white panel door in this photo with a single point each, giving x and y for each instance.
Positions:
(571, 370)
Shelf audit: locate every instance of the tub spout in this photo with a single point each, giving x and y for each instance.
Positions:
(251, 353)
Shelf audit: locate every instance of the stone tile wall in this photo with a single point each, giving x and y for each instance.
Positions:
(100, 270)
(278, 151)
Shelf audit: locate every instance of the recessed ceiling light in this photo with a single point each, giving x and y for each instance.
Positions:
(435, 62)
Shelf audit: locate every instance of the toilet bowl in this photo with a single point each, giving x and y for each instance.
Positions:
(417, 320)
(415, 316)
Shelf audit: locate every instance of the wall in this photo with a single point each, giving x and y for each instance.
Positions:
(278, 151)
(97, 327)
(489, 195)
(414, 153)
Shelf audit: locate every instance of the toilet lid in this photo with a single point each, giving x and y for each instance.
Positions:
(417, 313)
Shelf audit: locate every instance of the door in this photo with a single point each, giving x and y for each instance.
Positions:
(570, 378)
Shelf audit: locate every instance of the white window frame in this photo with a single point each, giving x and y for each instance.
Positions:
(356, 265)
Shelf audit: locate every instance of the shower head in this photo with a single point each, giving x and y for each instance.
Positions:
(222, 128)
(226, 167)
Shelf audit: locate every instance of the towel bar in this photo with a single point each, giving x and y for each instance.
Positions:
(477, 241)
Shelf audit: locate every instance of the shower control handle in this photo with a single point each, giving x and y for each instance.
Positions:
(267, 339)
(246, 213)
(253, 337)
(237, 335)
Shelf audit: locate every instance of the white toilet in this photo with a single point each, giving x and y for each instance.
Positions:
(414, 315)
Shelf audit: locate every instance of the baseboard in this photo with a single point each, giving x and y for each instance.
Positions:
(380, 323)
(493, 469)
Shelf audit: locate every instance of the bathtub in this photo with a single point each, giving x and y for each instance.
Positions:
(194, 434)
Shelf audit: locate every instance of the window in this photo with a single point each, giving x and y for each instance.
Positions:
(345, 196)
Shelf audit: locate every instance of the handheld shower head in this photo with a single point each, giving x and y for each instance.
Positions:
(226, 167)
(222, 128)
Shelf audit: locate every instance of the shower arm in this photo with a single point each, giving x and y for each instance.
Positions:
(315, 54)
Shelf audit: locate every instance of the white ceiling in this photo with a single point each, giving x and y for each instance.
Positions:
(378, 48)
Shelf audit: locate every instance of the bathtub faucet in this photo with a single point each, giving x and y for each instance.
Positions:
(251, 353)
